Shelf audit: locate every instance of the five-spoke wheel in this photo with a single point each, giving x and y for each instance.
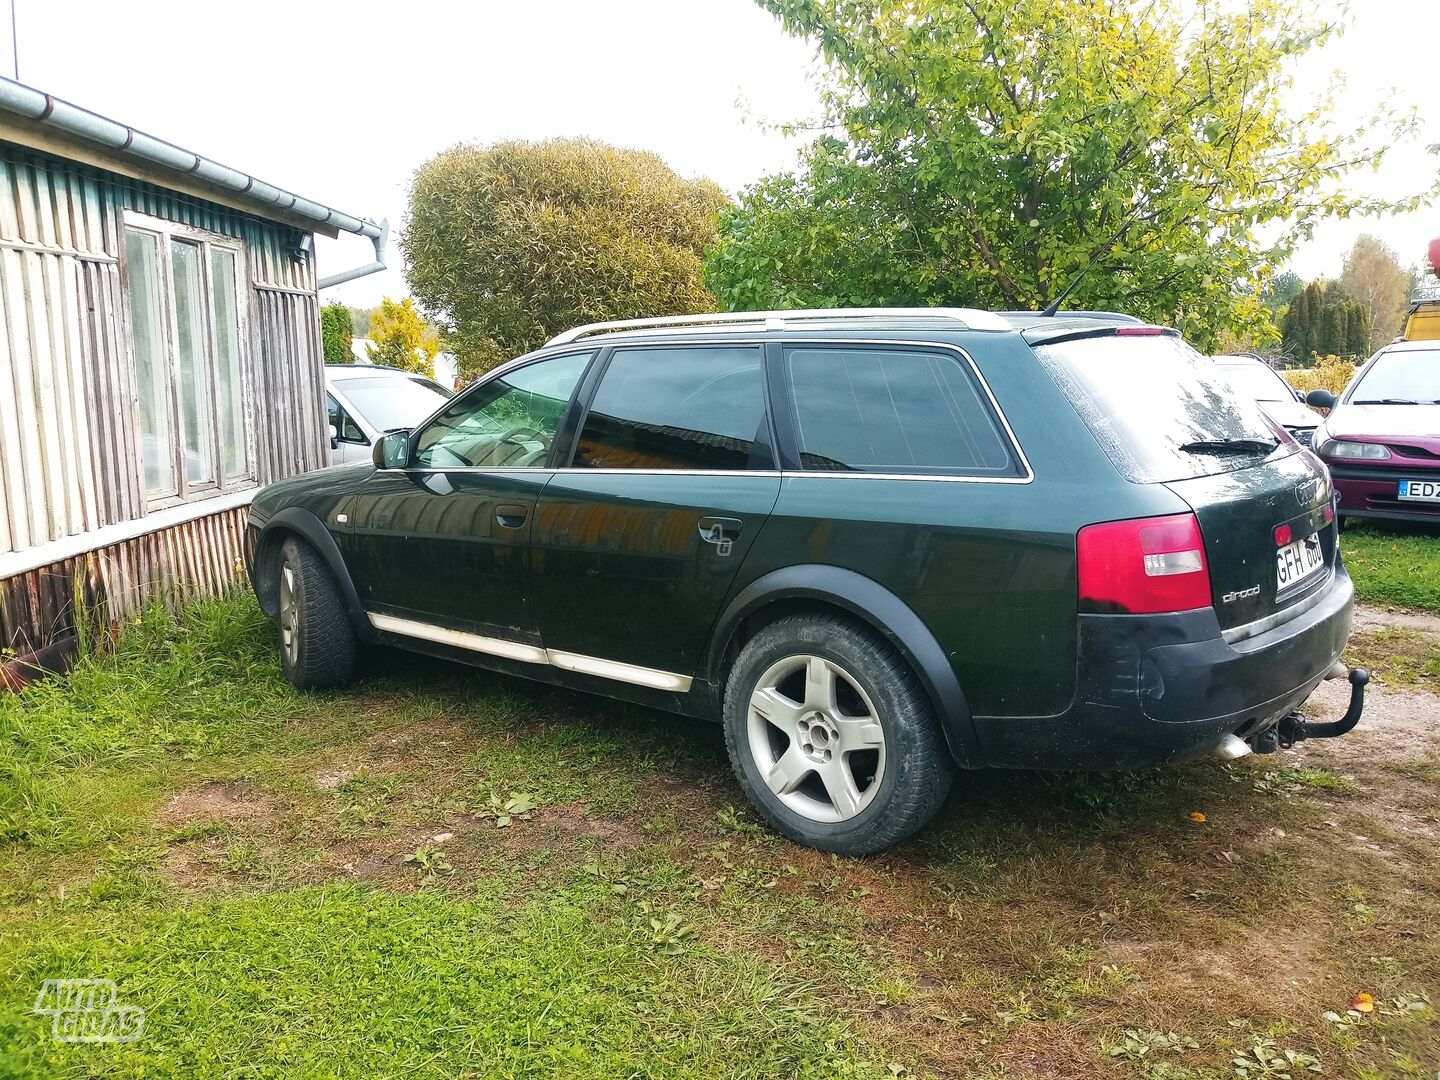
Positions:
(816, 739)
(832, 737)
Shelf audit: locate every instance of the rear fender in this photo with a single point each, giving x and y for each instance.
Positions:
(876, 606)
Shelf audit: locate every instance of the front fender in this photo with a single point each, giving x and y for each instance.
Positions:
(295, 520)
(878, 607)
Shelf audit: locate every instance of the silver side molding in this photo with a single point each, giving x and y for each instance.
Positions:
(533, 654)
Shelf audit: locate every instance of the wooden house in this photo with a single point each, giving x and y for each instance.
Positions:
(160, 360)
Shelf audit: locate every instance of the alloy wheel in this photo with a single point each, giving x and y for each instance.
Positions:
(816, 738)
(289, 629)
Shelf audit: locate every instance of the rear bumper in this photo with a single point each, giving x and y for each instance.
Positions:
(1162, 688)
(1372, 492)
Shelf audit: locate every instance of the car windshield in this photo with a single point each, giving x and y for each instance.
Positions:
(388, 402)
(1400, 377)
(1159, 409)
(1258, 381)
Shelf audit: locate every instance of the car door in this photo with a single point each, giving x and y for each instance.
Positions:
(443, 543)
(638, 541)
(347, 441)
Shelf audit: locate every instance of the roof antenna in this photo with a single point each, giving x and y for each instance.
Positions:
(1100, 252)
(1054, 308)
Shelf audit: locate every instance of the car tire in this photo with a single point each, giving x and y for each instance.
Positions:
(832, 737)
(317, 642)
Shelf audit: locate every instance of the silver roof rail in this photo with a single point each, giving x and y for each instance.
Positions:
(965, 318)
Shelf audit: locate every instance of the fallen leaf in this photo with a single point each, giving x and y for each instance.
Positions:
(1196, 816)
(1363, 1002)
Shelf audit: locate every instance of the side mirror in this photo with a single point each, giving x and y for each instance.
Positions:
(392, 450)
(334, 438)
(1320, 399)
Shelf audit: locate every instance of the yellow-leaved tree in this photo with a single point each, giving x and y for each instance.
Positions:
(400, 337)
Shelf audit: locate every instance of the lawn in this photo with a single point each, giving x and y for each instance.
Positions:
(1394, 563)
(445, 873)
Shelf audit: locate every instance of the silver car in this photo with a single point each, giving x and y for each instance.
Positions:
(367, 400)
(1284, 404)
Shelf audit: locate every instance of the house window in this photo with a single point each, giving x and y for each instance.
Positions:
(186, 319)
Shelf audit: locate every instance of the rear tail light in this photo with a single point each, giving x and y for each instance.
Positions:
(1143, 566)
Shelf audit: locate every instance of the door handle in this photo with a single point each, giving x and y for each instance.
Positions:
(721, 533)
(511, 515)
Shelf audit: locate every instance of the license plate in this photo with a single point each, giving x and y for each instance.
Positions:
(1295, 562)
(1420, 490)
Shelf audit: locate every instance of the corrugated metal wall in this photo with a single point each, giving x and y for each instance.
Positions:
(68, 412)
(69, 422)
(182, 563)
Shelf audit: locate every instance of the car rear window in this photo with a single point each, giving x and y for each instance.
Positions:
(1145, 398)
(893, 410)
(390, 402)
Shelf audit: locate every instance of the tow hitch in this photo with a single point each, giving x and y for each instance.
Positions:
(1294, 728)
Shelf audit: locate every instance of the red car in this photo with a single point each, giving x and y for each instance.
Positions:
(1382, 437)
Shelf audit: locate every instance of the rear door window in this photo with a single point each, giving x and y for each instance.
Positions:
(696, 408)
(892, 410)
(1160, 410)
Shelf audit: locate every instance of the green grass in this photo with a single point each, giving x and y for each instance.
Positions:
(1398, 656)
(1394, 564)
(234, 855)
(349, 980)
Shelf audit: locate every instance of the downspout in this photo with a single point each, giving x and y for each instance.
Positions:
(362, 271)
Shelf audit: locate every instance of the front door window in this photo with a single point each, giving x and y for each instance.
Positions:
(507, 423)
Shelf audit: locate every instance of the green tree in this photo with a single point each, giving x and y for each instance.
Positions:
(335, 335)
(1376, 279)
(360, 321)
(1282, 289)
(990, 151)
(400, 337)
(1323, 320)
(512, 243)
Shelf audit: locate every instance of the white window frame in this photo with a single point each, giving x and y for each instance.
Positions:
(166, 233)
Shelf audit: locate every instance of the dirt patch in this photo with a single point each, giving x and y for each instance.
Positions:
(1396, 724)
(230, 802)
(1369, 618)
(573, 818)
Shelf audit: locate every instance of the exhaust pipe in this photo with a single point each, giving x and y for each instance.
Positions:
(1231, 747)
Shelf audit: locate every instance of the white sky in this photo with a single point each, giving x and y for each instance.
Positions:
(341, 102)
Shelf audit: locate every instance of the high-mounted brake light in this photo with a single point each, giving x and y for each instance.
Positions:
(1143, 566)
(1140, 331)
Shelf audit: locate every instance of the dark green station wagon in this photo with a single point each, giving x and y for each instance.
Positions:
(875, 544)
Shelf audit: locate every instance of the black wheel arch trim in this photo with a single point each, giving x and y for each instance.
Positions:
(303, 523)
(872, 604)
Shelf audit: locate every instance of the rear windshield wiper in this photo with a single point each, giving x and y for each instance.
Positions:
(1229, 446)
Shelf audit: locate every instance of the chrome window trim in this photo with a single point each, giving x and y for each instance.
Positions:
(617, 670)
(945, 478)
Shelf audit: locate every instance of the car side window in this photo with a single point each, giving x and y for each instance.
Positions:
(346, 430)
(698, 408)
(893, 410)
(507, 422)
